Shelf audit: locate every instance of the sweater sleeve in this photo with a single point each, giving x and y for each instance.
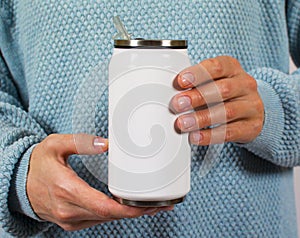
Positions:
(18, 133)
(279, 141)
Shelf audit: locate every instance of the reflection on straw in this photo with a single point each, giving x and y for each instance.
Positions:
(122, 32)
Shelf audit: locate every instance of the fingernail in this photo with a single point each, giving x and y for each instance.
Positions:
(196, 137)
(183, 102)
(187, 79)
(99, 142)
(187, 122)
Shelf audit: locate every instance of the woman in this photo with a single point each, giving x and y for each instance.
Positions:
(48, 49)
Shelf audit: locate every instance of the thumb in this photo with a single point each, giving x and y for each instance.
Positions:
(89, 144)
(83, 144)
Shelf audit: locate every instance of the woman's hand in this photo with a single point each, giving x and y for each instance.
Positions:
(225, 100)
(58, 195)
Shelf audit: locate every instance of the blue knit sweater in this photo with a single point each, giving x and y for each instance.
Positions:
(49, 48)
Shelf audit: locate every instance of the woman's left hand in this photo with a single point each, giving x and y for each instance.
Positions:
(221, 103)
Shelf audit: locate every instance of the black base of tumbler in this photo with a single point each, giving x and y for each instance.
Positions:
(149, 203)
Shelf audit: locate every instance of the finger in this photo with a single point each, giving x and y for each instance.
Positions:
(102, 206)
(69, 213)
(166, 209)
(74, 199)
(240, 131)
(215, 115)
(111, 209)
(210, 93)
(207, 71)
(88, 144)
(74, 213)
(67, 144)
(79, 225)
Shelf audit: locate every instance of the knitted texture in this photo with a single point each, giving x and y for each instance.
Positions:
(50, 48)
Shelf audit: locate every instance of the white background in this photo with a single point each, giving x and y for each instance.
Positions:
(297, 179)
(297, 189)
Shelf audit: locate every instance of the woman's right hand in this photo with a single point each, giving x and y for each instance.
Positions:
(58, 195)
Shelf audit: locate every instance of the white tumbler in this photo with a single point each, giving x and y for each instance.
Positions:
(149, 162)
